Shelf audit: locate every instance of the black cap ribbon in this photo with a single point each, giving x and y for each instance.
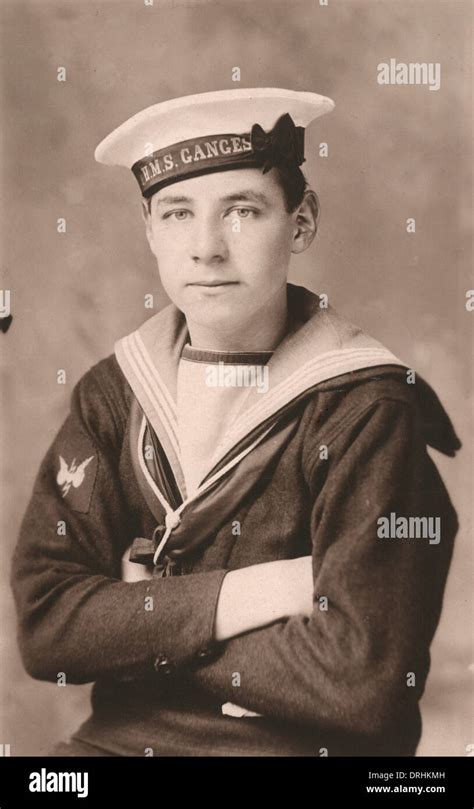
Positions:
(282, 145)
(143, 552)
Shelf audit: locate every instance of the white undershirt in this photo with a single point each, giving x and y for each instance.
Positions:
(207, 410)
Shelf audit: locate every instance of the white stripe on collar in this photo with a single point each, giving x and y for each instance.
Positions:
(326, 345)
(144, 379)
(327, 366)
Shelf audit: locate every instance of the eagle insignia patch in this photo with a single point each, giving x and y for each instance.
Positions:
(73, 475)
(76, 481)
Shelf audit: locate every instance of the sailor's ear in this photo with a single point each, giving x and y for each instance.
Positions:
(306, 219)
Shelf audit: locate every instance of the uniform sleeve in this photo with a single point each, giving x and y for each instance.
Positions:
(360, 661)
(75, 615)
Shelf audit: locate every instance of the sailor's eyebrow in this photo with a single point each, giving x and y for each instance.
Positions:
(173, 200)
(246, 195)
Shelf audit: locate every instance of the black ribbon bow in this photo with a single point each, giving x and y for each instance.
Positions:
(143, 551)
(282, 145)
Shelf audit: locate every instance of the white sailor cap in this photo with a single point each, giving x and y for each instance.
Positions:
(217, 131)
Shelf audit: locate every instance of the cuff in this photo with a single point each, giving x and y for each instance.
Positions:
(180, 612)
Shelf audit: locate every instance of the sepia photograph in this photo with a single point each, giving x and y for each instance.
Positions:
(236, 304)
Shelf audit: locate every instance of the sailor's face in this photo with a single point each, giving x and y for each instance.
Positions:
(223, 243)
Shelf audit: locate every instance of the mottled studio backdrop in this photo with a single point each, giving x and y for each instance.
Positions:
(394, 153)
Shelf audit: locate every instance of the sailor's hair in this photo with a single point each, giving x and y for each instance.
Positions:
(293, 183)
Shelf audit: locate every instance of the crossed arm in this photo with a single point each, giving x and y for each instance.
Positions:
(253, 596)
(78, 614)
(344, 668)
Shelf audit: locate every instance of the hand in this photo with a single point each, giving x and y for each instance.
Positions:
(297, 586)
(257, 595)
(131, 571)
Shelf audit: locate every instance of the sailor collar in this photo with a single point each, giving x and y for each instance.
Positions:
(324, 346)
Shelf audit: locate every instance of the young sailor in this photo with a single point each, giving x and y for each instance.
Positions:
(206, 540)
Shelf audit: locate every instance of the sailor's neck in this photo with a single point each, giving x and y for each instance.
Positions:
(263, 334)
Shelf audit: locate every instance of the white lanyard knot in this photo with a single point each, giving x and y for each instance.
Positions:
(172, 520)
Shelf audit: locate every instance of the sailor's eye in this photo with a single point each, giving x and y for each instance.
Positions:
(244, 213)
(179, 215)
